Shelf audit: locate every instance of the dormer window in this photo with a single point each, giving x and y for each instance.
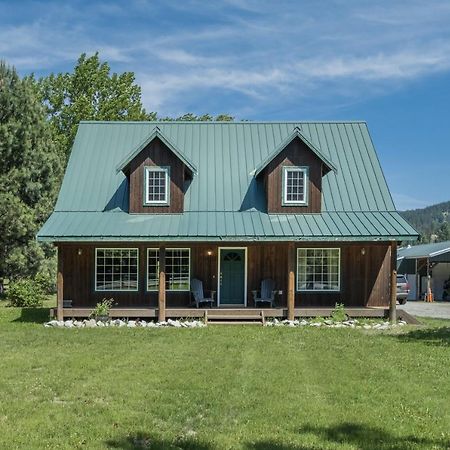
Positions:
(295, 186)
(157, 186)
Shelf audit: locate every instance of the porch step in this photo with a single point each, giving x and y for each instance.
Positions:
(242, 317)
(234, 322)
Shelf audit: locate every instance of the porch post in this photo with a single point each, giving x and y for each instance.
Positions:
(60, 286)
(291, 281)
(162, 285)
(393, 299)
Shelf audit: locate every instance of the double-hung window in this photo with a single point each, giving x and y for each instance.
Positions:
(295, 186)
(178, 268)
(116, 269)
(318, 269)
(157, 184)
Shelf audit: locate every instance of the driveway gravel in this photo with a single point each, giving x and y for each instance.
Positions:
(439, 310)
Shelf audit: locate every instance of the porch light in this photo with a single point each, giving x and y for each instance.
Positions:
(363, 251)
(80, 252)
(209, 252)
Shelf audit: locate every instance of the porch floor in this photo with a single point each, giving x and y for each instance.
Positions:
(232, 313)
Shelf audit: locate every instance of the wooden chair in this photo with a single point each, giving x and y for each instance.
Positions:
(267, 293)
(198, 294)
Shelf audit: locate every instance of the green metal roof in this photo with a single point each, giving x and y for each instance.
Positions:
(425, 251)
(236, 226)
(224, 200)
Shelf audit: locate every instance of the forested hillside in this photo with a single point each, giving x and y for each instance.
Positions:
(431, 222)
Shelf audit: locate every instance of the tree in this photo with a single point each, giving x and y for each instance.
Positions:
(190, 117)
(30, 173)
(443, 233)
(90, 92)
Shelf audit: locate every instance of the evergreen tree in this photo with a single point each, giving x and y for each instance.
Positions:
(443, 233)
(30, 173)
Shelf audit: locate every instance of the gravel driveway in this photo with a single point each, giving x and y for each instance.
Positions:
(439, 310)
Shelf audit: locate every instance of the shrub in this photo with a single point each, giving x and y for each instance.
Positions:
(46, 281)
(25, 293)
(102, 308)
(338, 314)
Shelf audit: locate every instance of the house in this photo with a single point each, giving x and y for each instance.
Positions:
(426, 266)
(145, 207)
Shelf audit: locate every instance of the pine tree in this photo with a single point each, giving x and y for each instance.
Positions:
(30, 173)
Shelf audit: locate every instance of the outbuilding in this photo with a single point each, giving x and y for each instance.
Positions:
(422, 261)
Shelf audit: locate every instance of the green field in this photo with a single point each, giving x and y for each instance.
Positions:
(222, 387)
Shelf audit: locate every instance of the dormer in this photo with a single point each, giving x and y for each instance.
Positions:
(292, 175)
(158, 174)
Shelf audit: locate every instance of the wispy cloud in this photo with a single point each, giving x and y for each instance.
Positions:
(253, 52)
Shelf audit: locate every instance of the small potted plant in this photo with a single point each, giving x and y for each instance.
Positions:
(101, 310)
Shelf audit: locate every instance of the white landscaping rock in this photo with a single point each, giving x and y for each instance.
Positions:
(131, 324)
(91, 323)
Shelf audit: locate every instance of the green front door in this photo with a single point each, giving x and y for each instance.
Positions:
(232, 276)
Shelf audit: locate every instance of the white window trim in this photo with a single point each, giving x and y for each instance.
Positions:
(305, 171)
(137, 269)
(168, 290)
(319, 290)
(166, 201)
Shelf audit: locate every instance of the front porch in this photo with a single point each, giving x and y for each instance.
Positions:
(234, 314)
(153, 285)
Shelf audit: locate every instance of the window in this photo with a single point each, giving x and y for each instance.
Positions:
(318, 269)
(116, 269)
(295, 185)
(157, 185)
(178, 270)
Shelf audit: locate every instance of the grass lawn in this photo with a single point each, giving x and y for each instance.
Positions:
(222, 387)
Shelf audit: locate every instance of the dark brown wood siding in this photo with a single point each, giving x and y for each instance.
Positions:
(156, 154)
(295, 154)
(364, 277)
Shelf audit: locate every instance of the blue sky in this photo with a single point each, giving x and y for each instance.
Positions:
(384, 62)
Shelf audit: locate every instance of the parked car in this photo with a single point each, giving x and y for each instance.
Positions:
(402, 289)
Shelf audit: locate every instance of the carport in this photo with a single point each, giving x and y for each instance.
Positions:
(427, 267)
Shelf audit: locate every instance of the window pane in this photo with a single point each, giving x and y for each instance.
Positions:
(294, 188)
(177, 269)
(156, 185)
(152, 269)
(115, 271)
(318, 269)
